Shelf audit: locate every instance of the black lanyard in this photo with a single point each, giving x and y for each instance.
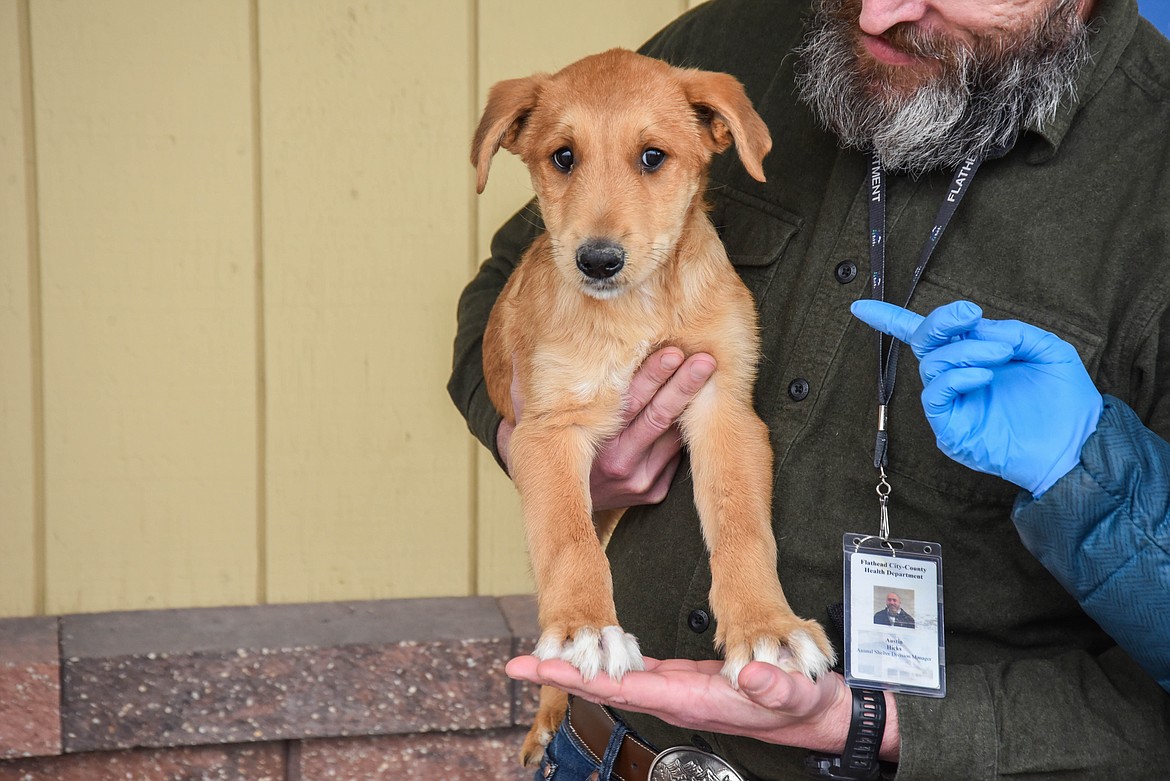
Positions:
(888, 357)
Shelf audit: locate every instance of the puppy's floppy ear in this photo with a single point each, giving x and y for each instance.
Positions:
(508, 105)
(728, 116)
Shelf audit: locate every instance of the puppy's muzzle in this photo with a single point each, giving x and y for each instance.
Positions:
(600, 259)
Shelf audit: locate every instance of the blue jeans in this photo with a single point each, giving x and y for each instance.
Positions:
(565, 759)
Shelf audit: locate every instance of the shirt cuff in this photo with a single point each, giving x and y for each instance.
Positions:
(952, 737)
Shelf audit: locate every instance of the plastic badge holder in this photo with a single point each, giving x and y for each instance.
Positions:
(894, 615)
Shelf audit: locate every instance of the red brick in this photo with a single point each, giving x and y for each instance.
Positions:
(30, 688)
(255, 762)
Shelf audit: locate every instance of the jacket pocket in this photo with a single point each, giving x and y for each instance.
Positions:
(755, 232)
(934, 292)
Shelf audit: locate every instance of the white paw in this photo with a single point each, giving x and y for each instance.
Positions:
(800, 655)
(589, 650)
(735, 661)
(805, 656)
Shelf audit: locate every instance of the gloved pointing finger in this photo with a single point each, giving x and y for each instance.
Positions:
(889, 319)
(923, 334)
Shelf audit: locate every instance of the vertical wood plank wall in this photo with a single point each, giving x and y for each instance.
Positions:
(232, 236)
(20, 556)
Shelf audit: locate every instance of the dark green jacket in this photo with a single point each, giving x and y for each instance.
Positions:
(1071, 232)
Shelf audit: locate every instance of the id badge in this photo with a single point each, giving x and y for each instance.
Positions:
(894, 615)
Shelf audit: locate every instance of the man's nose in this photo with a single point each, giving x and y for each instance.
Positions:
(878, 16)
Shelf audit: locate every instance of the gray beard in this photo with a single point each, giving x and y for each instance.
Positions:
(983, 96)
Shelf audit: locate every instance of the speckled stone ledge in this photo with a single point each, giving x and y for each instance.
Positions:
(232, 675)
(520, 613)
(30, 689)
(486, 756)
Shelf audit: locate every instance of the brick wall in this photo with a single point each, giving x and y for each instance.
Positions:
(398, 689)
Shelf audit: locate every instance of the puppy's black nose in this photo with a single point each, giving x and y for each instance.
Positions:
(600, 259)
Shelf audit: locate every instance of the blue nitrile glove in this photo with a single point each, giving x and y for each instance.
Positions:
(1003, 397)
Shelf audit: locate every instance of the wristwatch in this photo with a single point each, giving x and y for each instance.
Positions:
(859, 761)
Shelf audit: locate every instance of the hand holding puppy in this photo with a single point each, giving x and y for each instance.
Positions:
(636, 466)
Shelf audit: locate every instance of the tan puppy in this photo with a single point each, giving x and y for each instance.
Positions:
(618, 147)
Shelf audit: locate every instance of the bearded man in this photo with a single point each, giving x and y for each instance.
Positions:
(1012, 153)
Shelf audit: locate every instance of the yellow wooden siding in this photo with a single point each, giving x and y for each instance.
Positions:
(367, 224)
(18, 522)
(232, 236)
(145, 187)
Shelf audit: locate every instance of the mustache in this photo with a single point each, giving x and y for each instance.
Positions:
(906, 37)
(917, 42)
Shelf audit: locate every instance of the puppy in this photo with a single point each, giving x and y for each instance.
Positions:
(617, 146)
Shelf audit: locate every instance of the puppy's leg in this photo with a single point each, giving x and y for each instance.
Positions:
(604, 522)
(553, 704)
(731, 460)
(550, 465)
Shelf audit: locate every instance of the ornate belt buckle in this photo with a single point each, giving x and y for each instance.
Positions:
(683, 763)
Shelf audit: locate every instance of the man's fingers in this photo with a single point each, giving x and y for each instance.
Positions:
(767, 685)
(651, 376)
(943, 328)
(522, 668)
(644, 482)
(664, 408)
(705, 666)
(664, 475)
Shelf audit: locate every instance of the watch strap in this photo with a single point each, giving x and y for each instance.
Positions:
(859, 760)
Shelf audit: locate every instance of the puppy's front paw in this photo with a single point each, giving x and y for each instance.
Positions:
(794, 645)
(592, 650)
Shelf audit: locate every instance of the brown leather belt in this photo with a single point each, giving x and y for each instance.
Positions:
(592, 725)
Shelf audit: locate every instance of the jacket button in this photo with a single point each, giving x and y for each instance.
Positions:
(798, 389)
(698, 621)
(845, 272)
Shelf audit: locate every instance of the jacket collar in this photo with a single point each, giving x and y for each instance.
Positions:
(1112, 28)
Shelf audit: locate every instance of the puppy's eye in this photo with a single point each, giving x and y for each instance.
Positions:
(652, 159)
(563, 159)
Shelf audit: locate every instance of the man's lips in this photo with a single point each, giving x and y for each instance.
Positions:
(887, 54)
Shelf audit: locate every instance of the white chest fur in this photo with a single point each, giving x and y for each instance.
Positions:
(585, 375)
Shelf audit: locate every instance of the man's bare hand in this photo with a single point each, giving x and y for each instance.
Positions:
(770, 704)
(637, 466)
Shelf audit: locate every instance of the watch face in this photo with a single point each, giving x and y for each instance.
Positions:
(684, 763)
